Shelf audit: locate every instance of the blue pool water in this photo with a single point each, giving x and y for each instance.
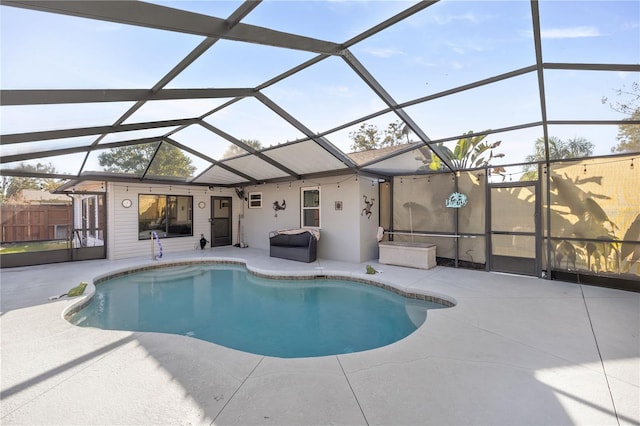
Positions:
(225, 304)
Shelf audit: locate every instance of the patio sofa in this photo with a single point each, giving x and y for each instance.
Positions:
(296, 244)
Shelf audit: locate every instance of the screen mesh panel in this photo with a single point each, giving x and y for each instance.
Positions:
(595, 215)
(471, 218)
(418, 203)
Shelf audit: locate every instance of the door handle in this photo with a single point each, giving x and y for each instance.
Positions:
(211, 220)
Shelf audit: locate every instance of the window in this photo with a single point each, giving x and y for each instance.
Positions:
(168, 215)
(255, 200)
(310, 207)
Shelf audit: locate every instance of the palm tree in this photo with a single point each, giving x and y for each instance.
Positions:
(576, 147)
(470, 152)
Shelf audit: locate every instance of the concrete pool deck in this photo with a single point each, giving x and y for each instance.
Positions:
(514, 350)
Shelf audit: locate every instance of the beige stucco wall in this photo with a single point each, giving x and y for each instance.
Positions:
(345, 234)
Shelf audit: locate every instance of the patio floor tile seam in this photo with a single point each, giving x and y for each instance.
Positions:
(602, 364)
(237, 390)
(353, 392)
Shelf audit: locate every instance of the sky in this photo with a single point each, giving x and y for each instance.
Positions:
(449, 44)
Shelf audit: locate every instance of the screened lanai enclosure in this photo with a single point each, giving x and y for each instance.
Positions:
(505, 133)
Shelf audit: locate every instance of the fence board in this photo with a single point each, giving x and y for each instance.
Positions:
(26, 222)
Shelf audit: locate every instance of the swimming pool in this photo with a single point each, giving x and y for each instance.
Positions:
(227, 305)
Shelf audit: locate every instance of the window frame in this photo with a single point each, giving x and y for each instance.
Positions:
(172, 206)
(255, 200)
(303, 209)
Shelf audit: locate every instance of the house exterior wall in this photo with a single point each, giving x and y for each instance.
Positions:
(346, 234)
(340, 233)
(122, 222)
(258, 222)
(369, 225)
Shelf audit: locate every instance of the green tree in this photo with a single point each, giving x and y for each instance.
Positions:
(368, 136)
(234, 150)
(396, 133)
(629, 135)
(470, 152)
(168, 161)
(577, 147)
(171, 161)
(12, 185)
(365, 138)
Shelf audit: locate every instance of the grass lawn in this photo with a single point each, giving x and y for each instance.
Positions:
(29, 246)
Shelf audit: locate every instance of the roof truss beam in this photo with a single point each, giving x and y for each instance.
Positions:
(63, 151)
(233, 20)
(364, 74)
(248, 148)
(389, 22)
(89, 131)
(590, 67)
(165, 18)
(211, 160)
(64, 96)
(325, 144)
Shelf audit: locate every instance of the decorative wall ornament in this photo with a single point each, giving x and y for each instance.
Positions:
(367, 207)
(240, 193)
(456, 200)
(277, 206)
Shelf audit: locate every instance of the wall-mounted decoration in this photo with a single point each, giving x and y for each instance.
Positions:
(456, 200)
(126, 203)
(255, 200)
(338, 205)
(367, 207)
(202, 204)
(277, 206)
(240, 193)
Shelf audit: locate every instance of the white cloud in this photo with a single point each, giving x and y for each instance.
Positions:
(421, 60)
(384, 52)
(340, 91)
(461, 49)
(572, 32)
(443, 20)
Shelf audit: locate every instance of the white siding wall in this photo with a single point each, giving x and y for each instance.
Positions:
(123, 223)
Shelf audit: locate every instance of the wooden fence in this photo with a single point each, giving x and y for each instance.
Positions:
(23, 222)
